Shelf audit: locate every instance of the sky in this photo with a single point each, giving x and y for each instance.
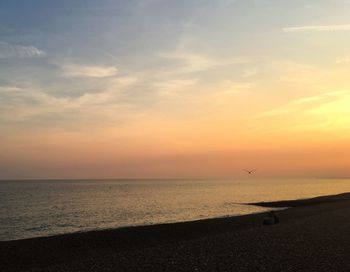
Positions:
(176, 89)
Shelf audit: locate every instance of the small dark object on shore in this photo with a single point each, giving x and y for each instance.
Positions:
(271, 219)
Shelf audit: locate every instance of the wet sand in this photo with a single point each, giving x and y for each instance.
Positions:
(313, 235)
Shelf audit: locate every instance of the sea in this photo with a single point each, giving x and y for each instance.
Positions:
(35, 208)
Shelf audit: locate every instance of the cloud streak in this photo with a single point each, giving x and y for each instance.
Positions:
(305, 104)
(75, 70)
(36, 106)
(8, 50)
(317, 28)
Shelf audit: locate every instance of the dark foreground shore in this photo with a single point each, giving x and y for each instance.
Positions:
(313, 235)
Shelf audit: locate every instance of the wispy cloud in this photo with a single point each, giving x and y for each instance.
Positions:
(175, 86)
(250, 72)
(228, 88)
(317, 28)
(34, 105)
(305, 104)
(343, 60)
(76, 70)
(8, 50)
(190, 62)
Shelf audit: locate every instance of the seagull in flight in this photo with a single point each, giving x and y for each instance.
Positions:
(250, 171)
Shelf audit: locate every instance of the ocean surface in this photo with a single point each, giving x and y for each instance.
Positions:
(42, 208)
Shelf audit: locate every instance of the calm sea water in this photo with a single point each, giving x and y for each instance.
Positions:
(41, 208)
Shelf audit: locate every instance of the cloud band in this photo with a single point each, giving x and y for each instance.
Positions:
(320, 28)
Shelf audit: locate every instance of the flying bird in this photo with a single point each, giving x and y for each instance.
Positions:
(250, 171)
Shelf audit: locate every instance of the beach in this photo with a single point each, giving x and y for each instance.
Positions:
(313, 235)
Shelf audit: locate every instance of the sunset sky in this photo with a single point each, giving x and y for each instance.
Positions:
(185, 88)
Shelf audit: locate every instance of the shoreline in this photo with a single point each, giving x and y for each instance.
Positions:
(303, 202)
(278, 205)
(79, 249)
